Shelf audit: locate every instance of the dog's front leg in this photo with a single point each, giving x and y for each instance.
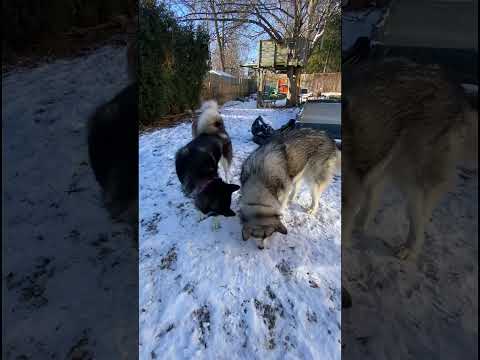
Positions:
(284, 199)
(294, 192)
(261, 243)
(227, 173)
(226, 170)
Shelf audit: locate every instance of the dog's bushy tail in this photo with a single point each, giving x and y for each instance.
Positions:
(210, 104)
(209, 115)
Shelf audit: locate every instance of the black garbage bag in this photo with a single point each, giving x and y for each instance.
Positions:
(262, 132)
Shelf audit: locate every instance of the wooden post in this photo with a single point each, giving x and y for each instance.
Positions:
(274, 55)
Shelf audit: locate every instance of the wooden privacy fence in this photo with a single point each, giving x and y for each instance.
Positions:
(315, 83)
(322, 82)
(224, 88)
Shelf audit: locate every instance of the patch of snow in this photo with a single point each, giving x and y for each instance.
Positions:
(205, 293)
(426, 309)
(61, 252)
(221, 73)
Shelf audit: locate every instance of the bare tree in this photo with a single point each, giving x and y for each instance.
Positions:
(223, 34)
(220, 37)
(298, 23)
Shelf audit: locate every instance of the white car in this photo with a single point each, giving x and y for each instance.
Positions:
(304, 95)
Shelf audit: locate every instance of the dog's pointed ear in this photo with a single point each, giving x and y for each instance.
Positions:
(233, 187)
(246, 232)
(229, 212)
(281, 228)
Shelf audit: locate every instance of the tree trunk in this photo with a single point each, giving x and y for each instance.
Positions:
(312, 5)
(293, 75)
(219, 39)
(326, 60)
(261, 84)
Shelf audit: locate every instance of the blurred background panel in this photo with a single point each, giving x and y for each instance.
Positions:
(70, 269)
(410, 129)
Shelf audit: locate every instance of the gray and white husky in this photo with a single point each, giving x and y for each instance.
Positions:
(403, 123)
(271, 176)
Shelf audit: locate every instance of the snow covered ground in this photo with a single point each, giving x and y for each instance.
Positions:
(205, 293)
(55, 228)
(424, 310)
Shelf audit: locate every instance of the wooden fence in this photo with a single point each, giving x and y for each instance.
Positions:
(315, 83)
(322, 82)
(225, 88)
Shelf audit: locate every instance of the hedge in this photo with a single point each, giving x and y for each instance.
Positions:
(174, 59)
(26, 22)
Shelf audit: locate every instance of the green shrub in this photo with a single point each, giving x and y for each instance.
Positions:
(173, 62)
(25, 22)
(327, 54)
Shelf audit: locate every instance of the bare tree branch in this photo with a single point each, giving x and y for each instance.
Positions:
(300, 22)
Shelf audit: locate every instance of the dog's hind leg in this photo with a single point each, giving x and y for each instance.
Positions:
(316, 190)
(372, 200)
(433, 196)
(350, 209)
(423, 195)
(319, 183)
(353, 190)
(421, 206)
(416, 206)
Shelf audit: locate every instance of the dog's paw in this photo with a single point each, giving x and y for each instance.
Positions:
(261, 244)
(403, 252)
